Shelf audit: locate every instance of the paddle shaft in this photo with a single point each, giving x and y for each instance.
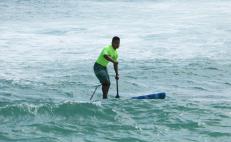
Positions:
(117, 89)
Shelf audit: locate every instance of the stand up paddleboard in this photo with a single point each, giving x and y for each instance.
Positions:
(161, 95)
(152, 96)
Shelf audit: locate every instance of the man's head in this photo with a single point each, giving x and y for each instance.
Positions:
(115, 42)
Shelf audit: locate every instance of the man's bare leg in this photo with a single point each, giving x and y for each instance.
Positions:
(105, 88)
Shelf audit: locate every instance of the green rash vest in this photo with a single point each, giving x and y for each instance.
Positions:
(110, 51)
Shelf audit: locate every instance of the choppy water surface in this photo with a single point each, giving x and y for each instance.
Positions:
(181, 47)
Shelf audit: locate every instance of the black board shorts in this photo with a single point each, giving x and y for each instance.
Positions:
(101, 73)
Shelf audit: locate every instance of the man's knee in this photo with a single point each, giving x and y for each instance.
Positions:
(106, 83)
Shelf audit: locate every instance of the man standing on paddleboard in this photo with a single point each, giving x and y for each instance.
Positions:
(108, 54)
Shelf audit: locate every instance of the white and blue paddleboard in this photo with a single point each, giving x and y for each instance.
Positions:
(161, 95)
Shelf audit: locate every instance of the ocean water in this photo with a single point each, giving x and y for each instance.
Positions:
(181, 47)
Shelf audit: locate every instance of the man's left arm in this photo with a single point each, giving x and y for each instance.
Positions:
(116, 68)
(116, 71)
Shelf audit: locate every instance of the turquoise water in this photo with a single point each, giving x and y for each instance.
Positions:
(181, 47)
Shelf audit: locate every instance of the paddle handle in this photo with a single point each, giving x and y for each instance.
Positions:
(117, 89)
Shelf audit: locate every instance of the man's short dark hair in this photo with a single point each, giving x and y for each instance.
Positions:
(115, 38)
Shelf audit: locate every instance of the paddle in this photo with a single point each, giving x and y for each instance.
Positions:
(117, 89)
(96, 87)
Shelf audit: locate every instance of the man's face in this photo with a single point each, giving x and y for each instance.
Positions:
(116, 44)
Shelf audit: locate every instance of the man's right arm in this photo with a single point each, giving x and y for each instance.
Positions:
(115, 63)
(107, 57)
